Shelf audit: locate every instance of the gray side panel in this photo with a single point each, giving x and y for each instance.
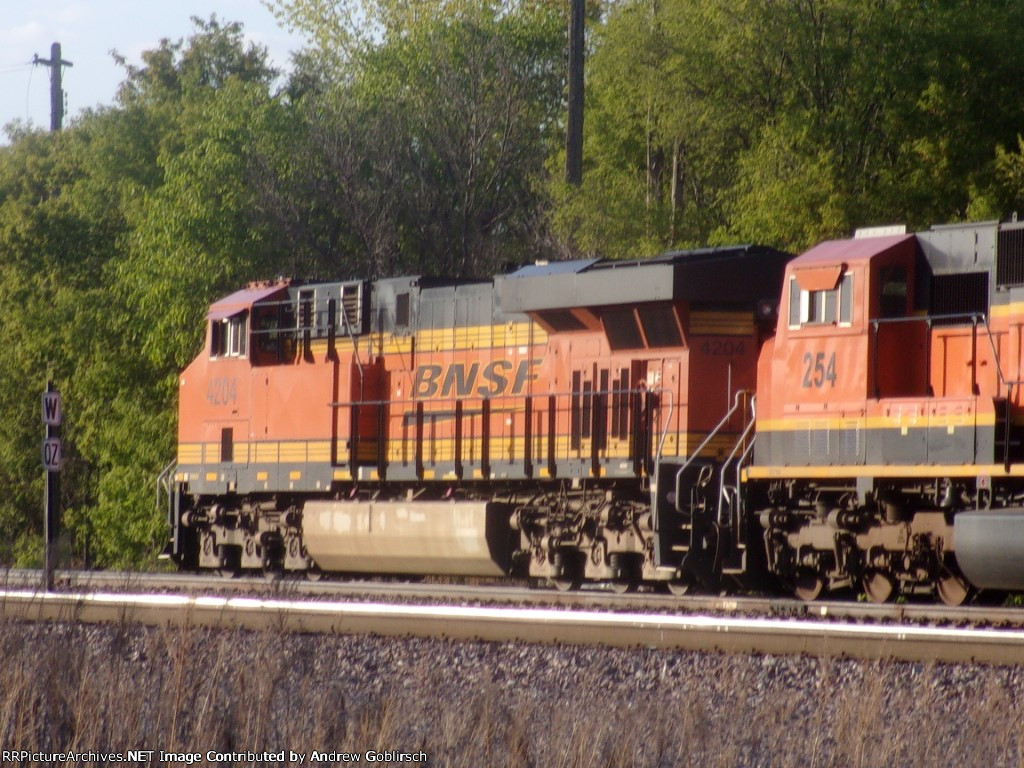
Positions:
(960, 247)
(627, 285)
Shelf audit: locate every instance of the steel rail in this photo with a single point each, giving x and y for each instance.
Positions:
(535, 625)
(904, 613)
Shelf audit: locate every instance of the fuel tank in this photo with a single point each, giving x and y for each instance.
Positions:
(990, 547)
(464, 538)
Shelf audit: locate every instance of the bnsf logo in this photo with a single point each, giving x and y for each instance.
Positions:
(492, 380)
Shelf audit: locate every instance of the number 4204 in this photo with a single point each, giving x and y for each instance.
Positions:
(818, 372)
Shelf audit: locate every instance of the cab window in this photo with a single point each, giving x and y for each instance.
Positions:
(229, 336)
(824, 307)
(892, 300)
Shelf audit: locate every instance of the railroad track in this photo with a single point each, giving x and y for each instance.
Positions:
(911, 613)
(463, 612)
(692, 632)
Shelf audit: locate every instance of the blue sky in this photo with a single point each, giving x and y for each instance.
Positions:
(89, 29)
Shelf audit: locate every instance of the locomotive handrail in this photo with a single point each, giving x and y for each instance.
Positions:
(163, 480)
(741, 441)
(163, 488)
(975, 318)
(480, 406)
(668, 422)
(737, 399)
(345, 403)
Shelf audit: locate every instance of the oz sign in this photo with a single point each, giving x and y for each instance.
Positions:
(51, 454)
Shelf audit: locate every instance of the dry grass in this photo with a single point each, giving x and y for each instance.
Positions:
(67, 687)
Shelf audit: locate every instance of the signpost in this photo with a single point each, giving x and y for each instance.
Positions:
(52, 417)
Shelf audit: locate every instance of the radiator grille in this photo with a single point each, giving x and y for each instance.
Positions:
(1010, 257)
(963, 294)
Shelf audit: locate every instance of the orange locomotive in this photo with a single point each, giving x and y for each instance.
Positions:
(514, 426)
(626, 422)
(889, 422)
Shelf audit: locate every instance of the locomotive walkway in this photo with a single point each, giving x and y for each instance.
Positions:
(630, 626)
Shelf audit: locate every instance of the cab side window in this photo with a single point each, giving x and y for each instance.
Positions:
(229, 336)
(892, 300)
(824, 307)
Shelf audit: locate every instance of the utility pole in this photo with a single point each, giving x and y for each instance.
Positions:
(574, 127)
(55, 62)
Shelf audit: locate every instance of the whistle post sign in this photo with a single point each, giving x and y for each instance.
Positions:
(51, 462)
(51, 420)
(51, 409)
(51, 454)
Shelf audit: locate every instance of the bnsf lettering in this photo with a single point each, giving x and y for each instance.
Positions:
(492, 380)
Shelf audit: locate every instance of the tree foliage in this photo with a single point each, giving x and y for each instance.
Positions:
(792, 120)
(427, 151)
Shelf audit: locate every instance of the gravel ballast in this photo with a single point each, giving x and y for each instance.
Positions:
(105, 689)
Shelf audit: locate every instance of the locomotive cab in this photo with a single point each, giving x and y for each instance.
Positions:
(888, 403)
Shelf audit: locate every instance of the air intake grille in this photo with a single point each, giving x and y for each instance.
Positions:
(961, 295)
(352, 304)
(1010, 257)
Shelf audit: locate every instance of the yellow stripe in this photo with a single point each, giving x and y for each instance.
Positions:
(440, 339)
(721, 323)
(1006, 310)
(266, 453)
(921, 420)
(882, 470)
(190, 453)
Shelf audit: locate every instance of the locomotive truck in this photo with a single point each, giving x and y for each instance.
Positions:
(847, 419)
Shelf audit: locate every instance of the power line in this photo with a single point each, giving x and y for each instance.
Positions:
(15, 68)
(28, 94)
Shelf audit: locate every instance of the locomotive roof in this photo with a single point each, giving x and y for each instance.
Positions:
(849, 251)
(741, 273)
(243, 299)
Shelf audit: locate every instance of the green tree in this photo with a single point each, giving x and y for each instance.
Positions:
(790, 121)
(115, 234)
(430, 147)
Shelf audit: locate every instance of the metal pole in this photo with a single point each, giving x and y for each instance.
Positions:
(574, 126)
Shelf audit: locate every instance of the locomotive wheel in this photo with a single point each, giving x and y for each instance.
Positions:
(230, 564)
(624, 586)
(628, 569)
(952, 590)
(808, 585)
(567, 583)
(878, 586)
(569, 567)
(681, 585)
(678, 587)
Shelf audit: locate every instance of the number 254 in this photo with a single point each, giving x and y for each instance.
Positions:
(817, 372)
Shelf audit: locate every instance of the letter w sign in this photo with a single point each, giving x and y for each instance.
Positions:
(51, 409)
